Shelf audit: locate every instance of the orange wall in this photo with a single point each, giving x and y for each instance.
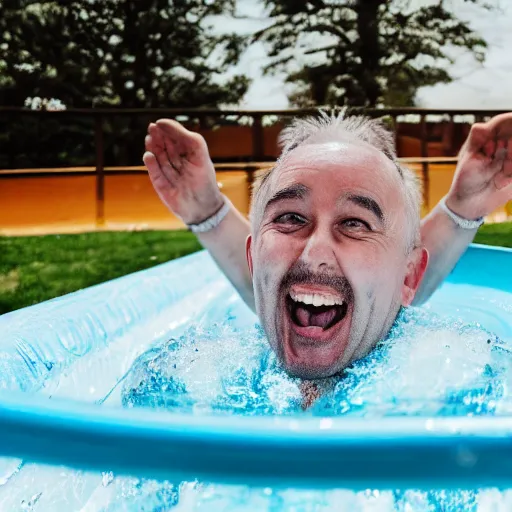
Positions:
(61, 204)
(440, 180)
(54, 201)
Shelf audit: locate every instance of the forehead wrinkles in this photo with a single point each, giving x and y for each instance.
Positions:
(347, 154)
(357, 154)
(355, 162)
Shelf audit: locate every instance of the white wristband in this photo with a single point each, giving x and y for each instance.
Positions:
(211, 222)
(461, 221)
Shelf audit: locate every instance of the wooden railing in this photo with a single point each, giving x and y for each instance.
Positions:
(255, 118)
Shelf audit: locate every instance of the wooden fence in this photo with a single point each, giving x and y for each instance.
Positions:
(252, 139)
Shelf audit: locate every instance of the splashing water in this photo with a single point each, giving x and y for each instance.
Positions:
(428, 365)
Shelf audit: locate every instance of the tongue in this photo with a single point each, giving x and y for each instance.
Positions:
(322, 317)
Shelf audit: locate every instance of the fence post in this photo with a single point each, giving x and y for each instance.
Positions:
(257, 138)
(10, 122)
(100, 175)
(424, 163)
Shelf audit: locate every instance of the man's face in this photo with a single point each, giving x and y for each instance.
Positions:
(329, 261)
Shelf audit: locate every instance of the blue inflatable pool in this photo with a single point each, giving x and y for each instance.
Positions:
(61, 362)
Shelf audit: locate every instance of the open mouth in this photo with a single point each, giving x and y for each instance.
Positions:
(308, 310)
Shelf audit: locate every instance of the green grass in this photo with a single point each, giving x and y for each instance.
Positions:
(33, 269)
(495, 234)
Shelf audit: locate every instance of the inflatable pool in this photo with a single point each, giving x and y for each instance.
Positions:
(63, 364)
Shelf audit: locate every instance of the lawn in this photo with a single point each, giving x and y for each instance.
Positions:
(33, 269)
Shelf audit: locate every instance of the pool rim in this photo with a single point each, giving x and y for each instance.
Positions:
(417, 452)
(282, 451)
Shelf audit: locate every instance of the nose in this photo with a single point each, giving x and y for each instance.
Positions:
(319, 252)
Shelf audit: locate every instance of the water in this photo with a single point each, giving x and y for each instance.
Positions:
(189, 345)
(430, 365)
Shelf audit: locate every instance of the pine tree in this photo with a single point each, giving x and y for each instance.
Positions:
(151, 53)
(100, 53)
(364, 52)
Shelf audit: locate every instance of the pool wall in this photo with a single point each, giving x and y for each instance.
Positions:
(43, 341)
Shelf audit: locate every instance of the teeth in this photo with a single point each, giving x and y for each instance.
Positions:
(316, 300)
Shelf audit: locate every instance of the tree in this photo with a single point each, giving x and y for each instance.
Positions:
(364, 52)
(92, 53)
(151, 53)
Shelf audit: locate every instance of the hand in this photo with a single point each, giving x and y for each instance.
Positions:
(181, 171)
(483, 178)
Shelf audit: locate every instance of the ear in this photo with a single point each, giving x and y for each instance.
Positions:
(416, 266)
(248, 245)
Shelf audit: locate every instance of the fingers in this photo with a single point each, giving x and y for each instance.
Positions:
(152, 165)
(501, 126)
(166, 164)
(148, 144)
(504, 184)
(156, 135)
(501, 146)
(173, 135)
(163, 152)
(489, 148)
(498, 154)
(150, 162)
(160, 182)
(184, 142)
(500, 167)
(479, 137)
(492, 137)
(506, 179)
(173, 129)
(503, 163)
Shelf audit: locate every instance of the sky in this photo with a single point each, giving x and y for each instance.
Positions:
(475, 85)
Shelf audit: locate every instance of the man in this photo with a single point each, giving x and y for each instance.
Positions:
(334, 247)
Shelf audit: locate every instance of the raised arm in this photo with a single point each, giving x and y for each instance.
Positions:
(184, 177)
(482, 183)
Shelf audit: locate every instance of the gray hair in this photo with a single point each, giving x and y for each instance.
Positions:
(333, 128)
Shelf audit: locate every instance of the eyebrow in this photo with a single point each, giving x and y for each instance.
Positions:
(297, 191)
(367, 203)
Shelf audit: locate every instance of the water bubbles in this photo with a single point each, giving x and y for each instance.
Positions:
(203, 371)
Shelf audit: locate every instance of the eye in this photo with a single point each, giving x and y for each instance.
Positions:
(354, 224)
(293, 219)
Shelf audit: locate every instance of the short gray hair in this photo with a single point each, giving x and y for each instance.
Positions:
(333, 128)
